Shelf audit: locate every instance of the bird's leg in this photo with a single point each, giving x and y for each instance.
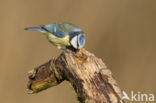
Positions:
(68, 51)
(65, 50)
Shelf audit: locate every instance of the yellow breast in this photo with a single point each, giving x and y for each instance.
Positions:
(59, 42)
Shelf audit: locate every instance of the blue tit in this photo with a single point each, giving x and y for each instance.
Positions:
(62, 35)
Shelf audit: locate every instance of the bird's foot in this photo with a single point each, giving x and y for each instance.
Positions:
(67, 51)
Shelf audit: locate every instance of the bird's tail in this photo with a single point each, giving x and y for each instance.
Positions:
(35, 29)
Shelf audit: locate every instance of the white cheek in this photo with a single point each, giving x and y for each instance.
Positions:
(74, 42)
(79, 42)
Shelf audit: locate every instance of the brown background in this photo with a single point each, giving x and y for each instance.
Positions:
(121, 32)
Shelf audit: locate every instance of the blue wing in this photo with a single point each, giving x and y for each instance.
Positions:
(55, 30)
(59, 29)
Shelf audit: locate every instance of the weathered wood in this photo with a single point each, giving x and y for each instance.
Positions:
(90, 78)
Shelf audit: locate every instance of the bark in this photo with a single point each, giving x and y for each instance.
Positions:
(89, 76)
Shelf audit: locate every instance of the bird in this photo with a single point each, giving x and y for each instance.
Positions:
(62, 35)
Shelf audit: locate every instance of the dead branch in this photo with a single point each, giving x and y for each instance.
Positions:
(90, 78)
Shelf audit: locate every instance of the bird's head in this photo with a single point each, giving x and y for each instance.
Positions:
(77, 39)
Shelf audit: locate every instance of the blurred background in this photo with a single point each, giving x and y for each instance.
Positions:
(121, 32)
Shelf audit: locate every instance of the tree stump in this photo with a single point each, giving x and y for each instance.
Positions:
(89, 76)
